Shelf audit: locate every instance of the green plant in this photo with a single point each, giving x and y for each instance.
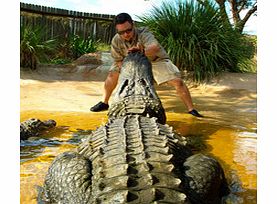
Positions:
(33, 47)
(248, 61)
(195, 37)
(80, 46)
(103, 47)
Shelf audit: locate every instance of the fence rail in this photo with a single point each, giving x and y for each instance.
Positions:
(63, 23)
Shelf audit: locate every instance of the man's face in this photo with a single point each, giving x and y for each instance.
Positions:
(125, 30)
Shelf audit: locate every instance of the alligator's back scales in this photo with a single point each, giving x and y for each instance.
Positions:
(133, 162)
(134, 159)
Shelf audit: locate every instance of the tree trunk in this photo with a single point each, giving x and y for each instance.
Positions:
(240, 25)
(236, 8)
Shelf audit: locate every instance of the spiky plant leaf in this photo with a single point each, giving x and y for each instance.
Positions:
(195, 37)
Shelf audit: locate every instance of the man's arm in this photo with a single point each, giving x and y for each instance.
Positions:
(119, 64)
(150, 51)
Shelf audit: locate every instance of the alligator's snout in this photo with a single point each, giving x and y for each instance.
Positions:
(136, 78)
(137, 87)
(49, 123)
(136, 93)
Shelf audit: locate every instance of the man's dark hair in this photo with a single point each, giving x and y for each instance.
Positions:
(122, 18)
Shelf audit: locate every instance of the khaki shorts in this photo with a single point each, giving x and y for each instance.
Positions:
(163, 71)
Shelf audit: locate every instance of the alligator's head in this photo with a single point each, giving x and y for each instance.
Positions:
(33, 127)
(38, 125)
(136, 93)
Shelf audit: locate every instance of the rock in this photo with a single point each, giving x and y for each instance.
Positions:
(89, 58)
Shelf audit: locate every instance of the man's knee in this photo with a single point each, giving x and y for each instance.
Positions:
(177, 82)
(113, 73)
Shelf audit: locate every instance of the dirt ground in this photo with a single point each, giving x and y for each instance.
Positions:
(76, 89)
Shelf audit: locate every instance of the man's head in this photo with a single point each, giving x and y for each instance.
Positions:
(124, 26)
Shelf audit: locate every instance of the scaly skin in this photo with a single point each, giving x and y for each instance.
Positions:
(33, 127)
(135, 157)
(136, 93)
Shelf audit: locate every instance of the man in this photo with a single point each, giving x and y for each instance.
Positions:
(128, 39)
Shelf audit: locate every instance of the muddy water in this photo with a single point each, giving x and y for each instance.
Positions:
(228, 132)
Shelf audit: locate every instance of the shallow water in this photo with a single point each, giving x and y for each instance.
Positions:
(228, 132)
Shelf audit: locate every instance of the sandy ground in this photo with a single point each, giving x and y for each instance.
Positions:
(76, 90)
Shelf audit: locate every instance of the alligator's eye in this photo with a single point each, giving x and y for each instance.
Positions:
(142, 82)
(123, 86)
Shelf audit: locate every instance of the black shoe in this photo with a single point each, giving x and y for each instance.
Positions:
(195, 113)
(99, 107)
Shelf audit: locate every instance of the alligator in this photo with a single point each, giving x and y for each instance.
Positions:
(33, 127)
(135, 157)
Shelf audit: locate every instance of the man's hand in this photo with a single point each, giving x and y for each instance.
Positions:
(138, 48)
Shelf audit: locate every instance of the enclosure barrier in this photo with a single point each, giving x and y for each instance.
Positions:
(61, 23)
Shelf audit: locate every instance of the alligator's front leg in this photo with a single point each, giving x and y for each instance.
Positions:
(68, 179)
(204, 181)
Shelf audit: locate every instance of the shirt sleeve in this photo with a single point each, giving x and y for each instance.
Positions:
(147, 38)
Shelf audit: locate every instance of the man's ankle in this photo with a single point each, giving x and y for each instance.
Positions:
(190, 109)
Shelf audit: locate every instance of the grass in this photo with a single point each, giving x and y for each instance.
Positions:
(249, 62)
(33, 47)
(103, 47)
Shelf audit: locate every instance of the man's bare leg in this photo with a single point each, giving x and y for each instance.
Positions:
(109, 86)
(182, 92)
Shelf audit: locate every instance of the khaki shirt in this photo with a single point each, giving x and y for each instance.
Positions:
(119, 47)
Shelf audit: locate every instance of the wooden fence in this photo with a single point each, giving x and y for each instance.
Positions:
(61, 23)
